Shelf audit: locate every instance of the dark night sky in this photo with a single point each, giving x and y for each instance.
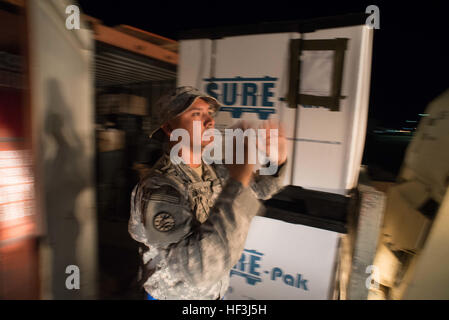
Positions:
(410, 54)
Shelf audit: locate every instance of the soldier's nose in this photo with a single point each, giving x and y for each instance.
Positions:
(209, 123)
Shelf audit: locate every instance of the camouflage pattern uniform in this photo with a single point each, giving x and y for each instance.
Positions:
(193, 229)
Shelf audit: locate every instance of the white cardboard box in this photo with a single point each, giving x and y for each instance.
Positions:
(289, 262)
(325, 147)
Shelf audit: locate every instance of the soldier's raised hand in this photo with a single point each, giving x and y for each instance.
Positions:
(241, 172)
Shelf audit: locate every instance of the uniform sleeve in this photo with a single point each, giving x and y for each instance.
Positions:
(265, 186)
(200, 254)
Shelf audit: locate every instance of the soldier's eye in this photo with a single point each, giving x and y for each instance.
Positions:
(196, 114)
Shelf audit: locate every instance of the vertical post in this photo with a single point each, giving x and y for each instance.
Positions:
(293, 88)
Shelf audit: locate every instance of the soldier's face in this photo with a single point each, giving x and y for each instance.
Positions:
(198, 111)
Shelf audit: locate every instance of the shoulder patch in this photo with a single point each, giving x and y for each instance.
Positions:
(163, 221)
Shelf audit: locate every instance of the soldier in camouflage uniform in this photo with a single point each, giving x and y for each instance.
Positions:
(192, 229)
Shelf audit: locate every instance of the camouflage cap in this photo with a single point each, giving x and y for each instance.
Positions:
(178, 100)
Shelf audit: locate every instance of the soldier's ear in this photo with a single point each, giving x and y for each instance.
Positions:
(167, 129)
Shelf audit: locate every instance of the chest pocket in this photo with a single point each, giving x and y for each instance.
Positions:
(202, 197)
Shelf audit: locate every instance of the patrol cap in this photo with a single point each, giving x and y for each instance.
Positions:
(175, 102)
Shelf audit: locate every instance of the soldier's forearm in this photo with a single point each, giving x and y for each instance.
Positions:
(207, 254)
